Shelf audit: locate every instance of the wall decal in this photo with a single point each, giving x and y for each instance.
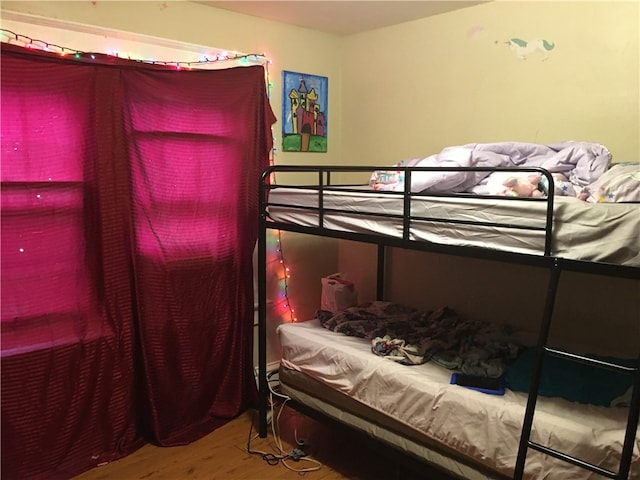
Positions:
(524, 49)
(304, 112)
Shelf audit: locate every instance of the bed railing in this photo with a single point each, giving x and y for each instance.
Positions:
(324, 182)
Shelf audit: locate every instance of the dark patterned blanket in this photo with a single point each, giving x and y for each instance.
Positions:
(411, 337)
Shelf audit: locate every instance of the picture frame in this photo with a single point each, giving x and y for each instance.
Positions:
(304, 112)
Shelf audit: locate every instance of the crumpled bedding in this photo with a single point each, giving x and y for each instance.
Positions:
(619, 184)
(412, 337)
(574, 165)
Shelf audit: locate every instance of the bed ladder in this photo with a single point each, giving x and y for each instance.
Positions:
(543, 351)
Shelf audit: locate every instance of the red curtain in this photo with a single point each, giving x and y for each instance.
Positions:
(129, 217)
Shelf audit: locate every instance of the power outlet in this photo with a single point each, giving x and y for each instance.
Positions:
(272, 368)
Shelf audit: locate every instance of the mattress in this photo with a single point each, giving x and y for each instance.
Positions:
(597, 232)
(483, 428)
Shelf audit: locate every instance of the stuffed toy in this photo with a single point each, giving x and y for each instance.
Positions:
(521, 186)
(512, 184)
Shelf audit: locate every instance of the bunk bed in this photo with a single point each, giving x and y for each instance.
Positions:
(466, 433)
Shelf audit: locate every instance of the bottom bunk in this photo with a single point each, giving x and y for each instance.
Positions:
(415, 409)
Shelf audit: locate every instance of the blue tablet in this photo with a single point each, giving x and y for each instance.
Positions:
(492, 386)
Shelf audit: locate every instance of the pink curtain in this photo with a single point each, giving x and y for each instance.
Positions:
(129, 216)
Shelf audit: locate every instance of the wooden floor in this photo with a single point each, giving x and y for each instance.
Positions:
(223, 455)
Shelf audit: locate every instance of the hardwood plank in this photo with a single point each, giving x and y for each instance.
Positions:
(223, 455)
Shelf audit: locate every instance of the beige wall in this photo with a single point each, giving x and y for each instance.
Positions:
(411, 89)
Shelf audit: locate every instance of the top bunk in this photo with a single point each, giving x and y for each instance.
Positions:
(522, 203)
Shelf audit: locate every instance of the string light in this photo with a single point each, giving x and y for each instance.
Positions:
(28, 42)
(284, 303)
(285, 271)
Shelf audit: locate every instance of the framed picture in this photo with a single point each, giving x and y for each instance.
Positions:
(304, 112)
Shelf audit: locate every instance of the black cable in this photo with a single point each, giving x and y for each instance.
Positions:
(270, 458)
(297, 454)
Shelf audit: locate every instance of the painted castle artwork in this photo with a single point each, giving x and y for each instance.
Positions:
(304, 109)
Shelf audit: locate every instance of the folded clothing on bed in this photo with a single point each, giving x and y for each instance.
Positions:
(411, 337)
(573, 381)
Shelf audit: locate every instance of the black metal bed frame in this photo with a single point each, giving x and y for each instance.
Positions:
(545, 259)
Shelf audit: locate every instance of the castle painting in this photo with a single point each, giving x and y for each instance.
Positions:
(304, 112)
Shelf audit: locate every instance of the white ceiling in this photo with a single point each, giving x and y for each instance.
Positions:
(342, 17)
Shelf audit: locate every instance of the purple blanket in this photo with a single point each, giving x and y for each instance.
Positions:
(574, 165)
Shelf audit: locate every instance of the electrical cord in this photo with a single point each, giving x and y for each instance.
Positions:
(273, 459)
(273, 392)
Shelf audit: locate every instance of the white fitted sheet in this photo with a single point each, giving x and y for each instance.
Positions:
(602, 232)
(484, 427)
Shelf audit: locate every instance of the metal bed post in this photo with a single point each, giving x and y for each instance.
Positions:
(321, 198)
(548, 226)
(632, 426)
(537, 370)
(380, 273)
(406, 206)
(262, 311)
